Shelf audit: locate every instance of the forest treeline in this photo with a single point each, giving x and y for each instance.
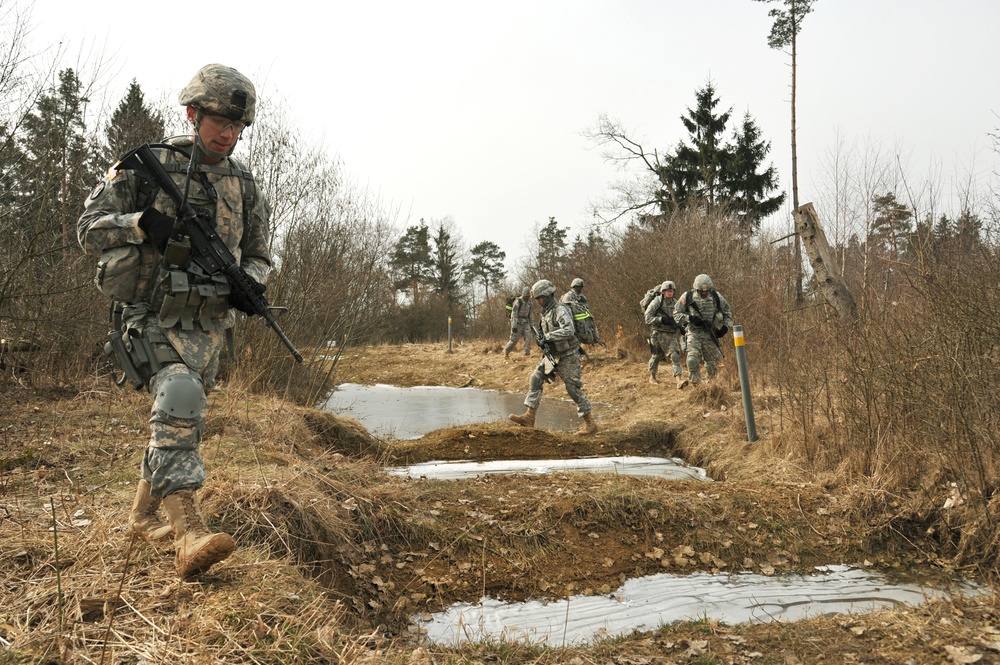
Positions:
(901, 399)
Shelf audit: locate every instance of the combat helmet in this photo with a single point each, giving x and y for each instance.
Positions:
(525, 292)
(221, 90)
(703, 283)
(575, 283)
(542, 287)
(668, 285)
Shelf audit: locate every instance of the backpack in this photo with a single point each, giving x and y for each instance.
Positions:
(509, 302)
(586, 329)
(648, 298)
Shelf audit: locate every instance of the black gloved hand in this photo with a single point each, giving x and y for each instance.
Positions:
(667, 320)
(157, 227)
(240, 301)
(721, 332)
(696, 319)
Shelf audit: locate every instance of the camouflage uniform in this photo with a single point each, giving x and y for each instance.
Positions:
(664, 337)
(572, 296)
(702, 340)
(520, 324)
(557, 327)
(183, 314)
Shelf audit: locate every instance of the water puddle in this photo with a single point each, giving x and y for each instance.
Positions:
(673, 468)
(644, 604)
(409, 413)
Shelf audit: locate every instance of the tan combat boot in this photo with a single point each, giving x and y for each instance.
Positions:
(506, 354)
(682, 383)
(197, 548)
(143, 520)
(652, 378)
(526, 419)
(588, 426)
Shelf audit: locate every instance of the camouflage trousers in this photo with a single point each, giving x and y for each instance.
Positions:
(519, 330)
(701, 348)
(666, 345)
(172, 461)
(570, 371)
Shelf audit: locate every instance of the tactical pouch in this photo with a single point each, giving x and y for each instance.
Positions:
(186, 303)
(118, 272)
(140, 355)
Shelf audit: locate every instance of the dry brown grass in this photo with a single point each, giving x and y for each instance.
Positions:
(335, 556)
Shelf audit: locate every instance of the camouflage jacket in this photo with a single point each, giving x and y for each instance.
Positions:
(130, 268)
(521, 311)
(558, 328)
(658, 307)
(716, 316)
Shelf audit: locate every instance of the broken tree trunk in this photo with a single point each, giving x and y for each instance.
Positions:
(828, 277)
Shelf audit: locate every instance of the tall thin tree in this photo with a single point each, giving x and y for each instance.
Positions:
(784, 34)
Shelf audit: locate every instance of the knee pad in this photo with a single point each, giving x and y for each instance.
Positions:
(182, 396)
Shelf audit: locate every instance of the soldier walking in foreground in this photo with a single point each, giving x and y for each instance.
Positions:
(706, 315)
(175, 313)
(520, 323)
(560, 356)
(664, 340)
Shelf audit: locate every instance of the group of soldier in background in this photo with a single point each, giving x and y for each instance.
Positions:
(691, 324)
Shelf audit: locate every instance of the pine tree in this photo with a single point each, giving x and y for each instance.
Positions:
(486, 266)
(132, 124)
(59, 169)
(551, 248)
(446, 268)
(412, 261)
(698, 166)
(745, 190)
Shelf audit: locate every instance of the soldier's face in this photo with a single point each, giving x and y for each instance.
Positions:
(703, 293)
(668, 292)
(218, 134)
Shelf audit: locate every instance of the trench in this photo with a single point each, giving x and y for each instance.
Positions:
(640, 604)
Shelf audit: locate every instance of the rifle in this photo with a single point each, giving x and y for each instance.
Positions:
(192, 230)
(548, 360)
(706, 325)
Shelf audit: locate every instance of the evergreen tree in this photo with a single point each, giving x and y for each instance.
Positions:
(551, 248)
(745, 190)
(713, 175)
(59, 169)
(891, 225)
(486, 266)
(132, 124)
(697, 168)
(446, 268)
(412, 261)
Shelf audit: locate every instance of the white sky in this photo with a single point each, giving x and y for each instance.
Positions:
(476, 110)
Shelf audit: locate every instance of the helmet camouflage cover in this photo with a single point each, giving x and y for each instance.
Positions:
(221, 90)
(575, 283)
(703, 283)
(526, 291)
(542, 287)
(668, 285)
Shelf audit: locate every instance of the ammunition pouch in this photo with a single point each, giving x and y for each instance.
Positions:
(139, 355)
(204, 300)
(560, 346)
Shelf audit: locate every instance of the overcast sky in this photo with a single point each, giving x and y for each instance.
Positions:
(476, 111)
